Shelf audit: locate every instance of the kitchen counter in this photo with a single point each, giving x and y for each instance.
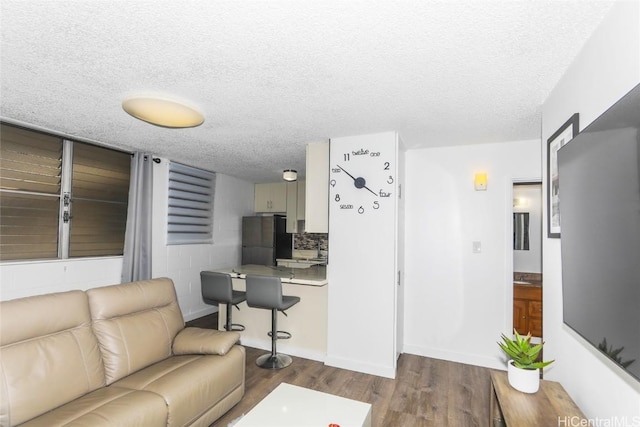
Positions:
(524, 283)
(312, 276)
(527, 279)
(300, 262)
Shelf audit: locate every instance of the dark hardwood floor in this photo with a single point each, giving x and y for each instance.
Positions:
(210, 321)
(426, 392)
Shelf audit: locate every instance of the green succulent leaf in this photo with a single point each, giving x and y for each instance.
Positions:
(520, 350)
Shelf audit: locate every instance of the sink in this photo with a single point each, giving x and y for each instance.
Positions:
(521, 282)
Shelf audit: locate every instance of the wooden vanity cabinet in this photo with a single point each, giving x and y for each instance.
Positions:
(527, 310)
(520, 314)
(535, 317)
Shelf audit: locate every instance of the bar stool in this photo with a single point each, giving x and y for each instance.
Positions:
(217, 289)
(266, 292)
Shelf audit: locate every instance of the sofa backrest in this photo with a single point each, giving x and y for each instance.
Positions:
(48, 354)
(135, 324)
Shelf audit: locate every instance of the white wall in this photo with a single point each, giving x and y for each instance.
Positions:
(530, 261)
(26, 278)
(606, 68)
(363, 263)
(457, 303)
(183, 263)
(233, 199)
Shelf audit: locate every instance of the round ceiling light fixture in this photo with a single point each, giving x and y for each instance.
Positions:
(290, 175)
(162, 112)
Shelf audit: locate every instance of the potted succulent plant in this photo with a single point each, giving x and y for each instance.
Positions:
(523, 368)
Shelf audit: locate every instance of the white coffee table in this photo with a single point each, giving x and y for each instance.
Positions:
(292, 406)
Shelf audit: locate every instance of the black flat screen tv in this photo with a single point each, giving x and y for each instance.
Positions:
(599, 179)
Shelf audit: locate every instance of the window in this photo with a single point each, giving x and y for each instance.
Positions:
(60, 198)
(100, 189)
(190, 215)
(30, 187)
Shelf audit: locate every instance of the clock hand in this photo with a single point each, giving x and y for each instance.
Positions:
(370, 190)
(352, 177)
(358, 182)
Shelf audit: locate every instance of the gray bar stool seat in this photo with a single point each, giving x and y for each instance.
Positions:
(217, 289)
(266, 292)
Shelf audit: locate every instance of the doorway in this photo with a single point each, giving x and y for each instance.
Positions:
(527, 258)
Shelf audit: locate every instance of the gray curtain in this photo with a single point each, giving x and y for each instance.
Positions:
(136, 262)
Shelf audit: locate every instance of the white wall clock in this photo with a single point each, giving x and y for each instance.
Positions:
(362, 180)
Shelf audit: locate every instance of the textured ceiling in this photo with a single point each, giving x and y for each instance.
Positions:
(271, 76)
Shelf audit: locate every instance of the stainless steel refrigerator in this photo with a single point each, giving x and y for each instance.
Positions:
(265, 238)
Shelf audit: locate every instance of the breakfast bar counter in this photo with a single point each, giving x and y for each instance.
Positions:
(306, 321)
(312, 276)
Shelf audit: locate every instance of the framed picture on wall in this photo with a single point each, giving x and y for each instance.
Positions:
(560, 137)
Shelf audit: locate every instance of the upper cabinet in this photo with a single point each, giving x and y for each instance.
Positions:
(306, 203)
(317, 188)
(302, 190)
(295, 206)
(271, 197)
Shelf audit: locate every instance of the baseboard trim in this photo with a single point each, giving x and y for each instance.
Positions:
(359, 366)
(283, 348)
(466, 358)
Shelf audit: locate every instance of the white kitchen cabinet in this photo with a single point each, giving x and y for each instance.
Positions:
(292, 207)
(271, 197)
(302, 187)
(317, 188)
(295, 204)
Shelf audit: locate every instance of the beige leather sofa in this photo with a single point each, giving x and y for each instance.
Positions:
(114, 356)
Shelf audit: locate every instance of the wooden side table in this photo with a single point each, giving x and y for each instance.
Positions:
(550, 406)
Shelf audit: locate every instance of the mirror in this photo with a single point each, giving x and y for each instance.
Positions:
(521, 231)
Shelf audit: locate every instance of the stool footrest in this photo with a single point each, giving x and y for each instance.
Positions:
(235, 327)
(280, 335)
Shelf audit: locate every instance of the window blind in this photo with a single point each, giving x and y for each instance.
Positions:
(100, 191)
(190, 210)
(30, 183)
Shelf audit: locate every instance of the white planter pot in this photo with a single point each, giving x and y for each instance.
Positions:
(524, 380)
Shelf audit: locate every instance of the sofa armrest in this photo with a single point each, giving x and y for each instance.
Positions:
(204, 341)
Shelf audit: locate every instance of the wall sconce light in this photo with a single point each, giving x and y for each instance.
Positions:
(480, 181)
(162, 112)
(290, 175)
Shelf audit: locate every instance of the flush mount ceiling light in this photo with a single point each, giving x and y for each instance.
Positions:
(162, 112)
(290, 175)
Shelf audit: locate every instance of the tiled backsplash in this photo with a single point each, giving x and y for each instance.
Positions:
(309, 241)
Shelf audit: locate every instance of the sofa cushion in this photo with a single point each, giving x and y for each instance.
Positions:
(48, 354)
(108, 407)
(135, 324)
(191, 385)
(204, 341)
